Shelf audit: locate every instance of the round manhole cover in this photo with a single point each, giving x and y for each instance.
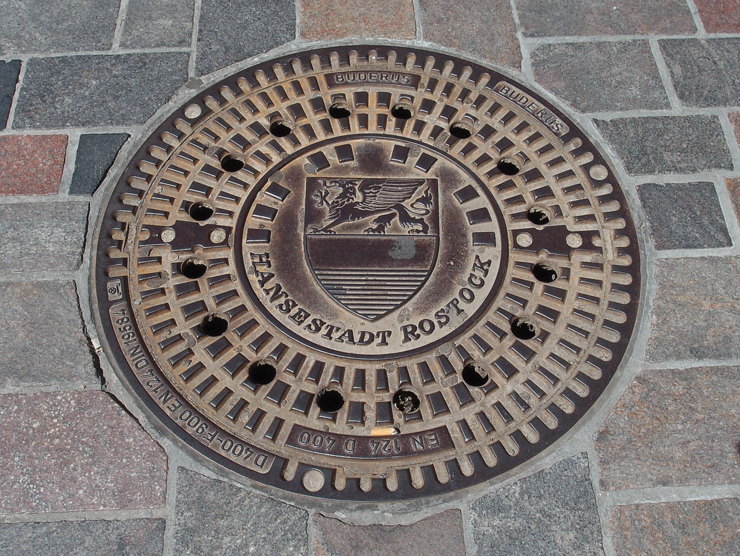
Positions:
(367, 273)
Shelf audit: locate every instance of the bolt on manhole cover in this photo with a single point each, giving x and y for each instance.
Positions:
(367, 273)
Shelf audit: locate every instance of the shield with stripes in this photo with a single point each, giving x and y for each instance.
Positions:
(371, 242)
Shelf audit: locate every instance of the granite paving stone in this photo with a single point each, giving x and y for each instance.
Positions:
(601, 76)
(57, 352)
(695, 312)
(31, 164)
(42, 236)
(135, 537)
(604, 17)
(705, 72)
(706, 527)
(75, 451)
(119, 89)
(719, 16)
(334, 19)
(735, 121)
(231, 31)
(164, 23)
(733, 188)
(42, 26)
(95, 154)
(552, 512)
(439, 535)
(684, 215)
(9, 72)
(485, 28)
(215, 517)
(674, 427)
(668, 144)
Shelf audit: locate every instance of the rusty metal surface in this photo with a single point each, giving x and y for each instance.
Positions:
(367, 273)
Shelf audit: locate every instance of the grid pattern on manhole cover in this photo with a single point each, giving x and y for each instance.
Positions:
(367, 273)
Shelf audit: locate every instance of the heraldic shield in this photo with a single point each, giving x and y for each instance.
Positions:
(372, 242)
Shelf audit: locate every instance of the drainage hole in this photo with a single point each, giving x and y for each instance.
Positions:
(232, 163)
(200, 211)
(544, 272)
(460, 130)
(507, 166)
(523, 329)
(262, 372)
(473, 375)
(281, 128)
(340, 110)
(402, 111)
(330, 401)
(538, 215)
(406, 401)
(194, 268)
(213, 325)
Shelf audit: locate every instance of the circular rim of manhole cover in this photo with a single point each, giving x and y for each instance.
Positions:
(367, 272)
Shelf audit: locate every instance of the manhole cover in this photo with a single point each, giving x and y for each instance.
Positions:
(368, 273)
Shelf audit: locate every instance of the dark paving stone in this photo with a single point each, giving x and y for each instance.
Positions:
(158, 24)
(695, 311)
(56, 353)
(42, 236)
(551, 512)
(101, 90)
(76, 451)
(214, 517)
(31, 164)
(705, 72)
(8, 78)
(719, 16)
(706, 527)
(231, 31)
(39, 26)
(332, 19)
(485, 28)
(684, 215)
(136, 537)
(675, 427)
(577, 73)
(439, 535)
(670, 144)
(95, 154)
(604, 17)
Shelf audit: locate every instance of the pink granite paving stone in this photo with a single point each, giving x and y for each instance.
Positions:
(719, 16)
(333, 19)
(31, 164)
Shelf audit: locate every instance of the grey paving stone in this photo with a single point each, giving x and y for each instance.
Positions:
(214, 517)
(551, 512)
(604, 17)
(95, 154)
(42, 236)
(485, 28)
(695, 311)
(229, 31)
(40, 26)
(158, 24)
(78, 91)
(705, 72)
(577, 73)
(136, 537)
(684, 215)
(8, 78)
(670, 144)
(41, 337)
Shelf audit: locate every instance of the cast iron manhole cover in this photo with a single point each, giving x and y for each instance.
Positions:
(368, 273)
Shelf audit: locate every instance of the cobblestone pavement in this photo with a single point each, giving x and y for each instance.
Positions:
(655, 468)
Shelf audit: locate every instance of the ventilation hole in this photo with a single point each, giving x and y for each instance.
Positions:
(507, 166)
(213, 325)
(330, 401)
(406, 401)
(281, 128)
(340, 110)
(262, 372)
(544, 272)
(232, 163)
(473, 375)
(200, 211)
(402, 111)
(460, 130)
(538, 215)
(523, 329)
(194, 268)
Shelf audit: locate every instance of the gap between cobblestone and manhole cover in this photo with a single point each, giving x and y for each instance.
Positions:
(369, 273)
